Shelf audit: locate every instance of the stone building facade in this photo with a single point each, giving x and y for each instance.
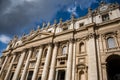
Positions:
(87, 48)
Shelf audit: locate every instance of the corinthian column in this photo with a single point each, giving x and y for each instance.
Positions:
(6, 58)
(37, 63)
(9, 68)
(69, 62)
(20, 62)
(47, 62)
(74, 61)
(52, 68)
(26, 65)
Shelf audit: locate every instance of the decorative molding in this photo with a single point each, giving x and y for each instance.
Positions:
(109, 34)
(71, 40)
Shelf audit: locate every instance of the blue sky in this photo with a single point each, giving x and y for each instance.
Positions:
(21, 16)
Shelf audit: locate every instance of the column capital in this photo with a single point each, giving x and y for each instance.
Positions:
(14, 53)
(50, 44)
(31, 48)
(24, 50)
(71, 40)
(56, 43)
(91, 35)
(42, 45)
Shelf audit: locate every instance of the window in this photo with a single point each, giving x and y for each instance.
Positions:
(82, 47)
(30, 75)
(61, 75)
(64, 50)
(39, 78)
(11, 76)
(111, 42)
(65, 28)
(105, 17)
(81, 24)
(45, 53)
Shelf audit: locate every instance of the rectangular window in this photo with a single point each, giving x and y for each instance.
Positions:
(105, 17)
(39, 78)
(61, 75)
(111, 42)
(81, 24)
(65, 28)
(30, 75)
(11, 76)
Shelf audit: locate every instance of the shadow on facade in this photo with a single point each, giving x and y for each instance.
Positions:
(113, 67)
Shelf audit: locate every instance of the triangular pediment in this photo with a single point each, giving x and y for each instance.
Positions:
(38, 35)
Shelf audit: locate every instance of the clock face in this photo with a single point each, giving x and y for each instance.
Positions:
(104, 8)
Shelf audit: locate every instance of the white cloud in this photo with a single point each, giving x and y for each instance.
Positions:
(4, 39)
(18, 14)
(85, 3)
(72, 10)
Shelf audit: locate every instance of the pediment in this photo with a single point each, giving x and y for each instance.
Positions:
(38, 35)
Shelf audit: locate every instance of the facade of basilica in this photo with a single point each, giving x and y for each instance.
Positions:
(86, 48)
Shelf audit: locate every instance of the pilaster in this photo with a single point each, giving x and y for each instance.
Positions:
(10, 67)
(20, 62)
(92, 60)
(74, 61)
(53, 63)
(47, 62)
(6, 58)
(37, 63)
(26, 65)
(69, 62)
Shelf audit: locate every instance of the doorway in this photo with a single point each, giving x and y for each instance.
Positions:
(113, 67)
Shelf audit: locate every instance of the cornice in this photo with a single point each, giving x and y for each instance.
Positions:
(86, 26)
(64, 32)
(83, 17)
(38, 39)
(37, 33)
(108, 22)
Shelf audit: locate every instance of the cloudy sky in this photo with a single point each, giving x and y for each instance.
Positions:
(20, 16)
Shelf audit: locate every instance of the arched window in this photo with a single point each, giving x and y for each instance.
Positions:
(111, 42)
(64, 50)
(82, 47)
